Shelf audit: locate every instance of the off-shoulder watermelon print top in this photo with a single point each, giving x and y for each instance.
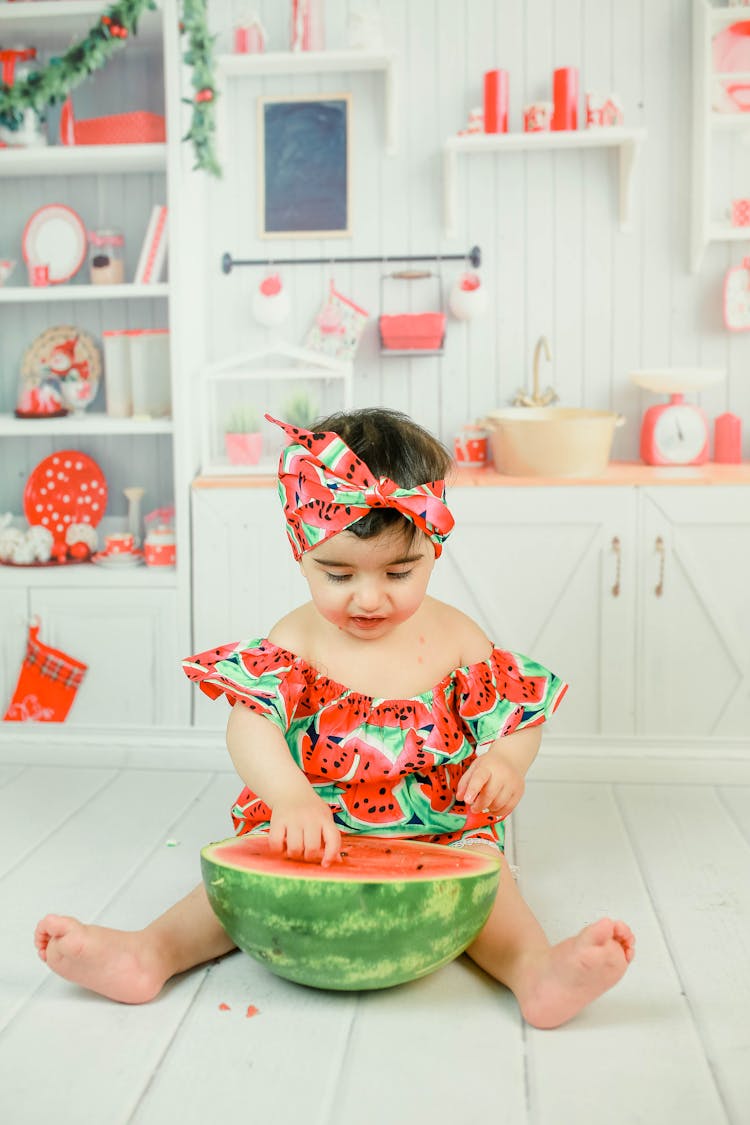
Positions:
(385, 766)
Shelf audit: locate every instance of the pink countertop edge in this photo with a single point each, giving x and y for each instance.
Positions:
(617, 473)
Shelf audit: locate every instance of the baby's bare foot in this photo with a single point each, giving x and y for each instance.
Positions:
(115, 963)
(572, 974)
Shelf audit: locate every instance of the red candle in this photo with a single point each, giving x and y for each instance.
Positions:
(496, 101)
(565, 98)
(728, 440)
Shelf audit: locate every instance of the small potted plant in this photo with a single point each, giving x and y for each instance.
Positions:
(243, 438)
(299, 410)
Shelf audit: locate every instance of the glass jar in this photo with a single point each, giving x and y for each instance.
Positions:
(106, 257)
(16, 65)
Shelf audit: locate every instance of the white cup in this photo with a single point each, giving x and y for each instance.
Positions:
(150, 372)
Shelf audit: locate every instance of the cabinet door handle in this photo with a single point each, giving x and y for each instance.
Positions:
(659, 548)
(616, 546)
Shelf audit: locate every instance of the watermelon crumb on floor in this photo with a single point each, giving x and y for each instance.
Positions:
(224, 1008)
(252, 1011)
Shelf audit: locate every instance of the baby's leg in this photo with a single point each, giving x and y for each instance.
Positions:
(552, 983)
(133, 966)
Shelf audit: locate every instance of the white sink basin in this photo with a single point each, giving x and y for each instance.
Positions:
(551, 441)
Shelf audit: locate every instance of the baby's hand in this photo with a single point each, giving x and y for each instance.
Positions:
(304, 829)
(491, 784)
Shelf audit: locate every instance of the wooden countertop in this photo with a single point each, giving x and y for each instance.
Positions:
(617, 473)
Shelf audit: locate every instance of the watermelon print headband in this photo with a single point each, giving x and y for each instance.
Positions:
(325, 488)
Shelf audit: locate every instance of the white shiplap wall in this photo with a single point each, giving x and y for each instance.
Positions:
(555, 262)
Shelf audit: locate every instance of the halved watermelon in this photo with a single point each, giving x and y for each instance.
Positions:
(388, 911)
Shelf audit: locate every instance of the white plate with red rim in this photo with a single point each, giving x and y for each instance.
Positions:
(55, 236)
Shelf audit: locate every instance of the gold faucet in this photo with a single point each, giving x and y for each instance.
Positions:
(537, 398)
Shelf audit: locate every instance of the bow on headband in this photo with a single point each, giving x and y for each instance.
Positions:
(325, 488)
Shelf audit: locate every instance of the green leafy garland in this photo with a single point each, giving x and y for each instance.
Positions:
(199, 56)
(46, 87)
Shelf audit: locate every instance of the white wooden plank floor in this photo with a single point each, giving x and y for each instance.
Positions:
(670, 1044)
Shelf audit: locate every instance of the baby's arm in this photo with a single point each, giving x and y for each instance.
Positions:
(302, 824)
(495, 781)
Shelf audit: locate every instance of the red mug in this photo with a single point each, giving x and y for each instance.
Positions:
(121, 543)
(39, 275)
(470, 447)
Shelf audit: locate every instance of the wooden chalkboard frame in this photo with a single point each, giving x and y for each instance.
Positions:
(303, 166)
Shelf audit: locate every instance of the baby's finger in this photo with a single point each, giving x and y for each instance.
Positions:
(332, 843)
(476, 784)
(295, 843)
(464, 782)
(312, 844)
(276, 837)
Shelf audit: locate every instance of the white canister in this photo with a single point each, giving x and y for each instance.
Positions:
(150, 372)
(119, 392)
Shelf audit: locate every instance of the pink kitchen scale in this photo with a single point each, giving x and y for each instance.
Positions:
(675, 432)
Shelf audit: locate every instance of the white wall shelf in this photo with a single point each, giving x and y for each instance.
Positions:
(720, 232)
(321, 62)
(22, 294)
(81, 425)
(627, 141)
(730, 122)
(82, 160)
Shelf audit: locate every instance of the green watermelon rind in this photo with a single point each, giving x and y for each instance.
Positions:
(361, 934)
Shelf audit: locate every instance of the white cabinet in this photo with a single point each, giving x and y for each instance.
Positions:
(568, 575)
(694, 627)
(129, 644)
(12, 644)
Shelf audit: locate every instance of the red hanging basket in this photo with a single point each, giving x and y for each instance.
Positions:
(414, 332)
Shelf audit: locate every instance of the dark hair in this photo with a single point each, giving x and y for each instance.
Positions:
(391, 445)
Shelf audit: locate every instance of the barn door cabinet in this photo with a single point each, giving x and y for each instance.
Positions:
(635, 595)
(551, 572)
(694, 619)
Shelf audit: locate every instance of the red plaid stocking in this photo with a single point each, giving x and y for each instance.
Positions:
(47, 683)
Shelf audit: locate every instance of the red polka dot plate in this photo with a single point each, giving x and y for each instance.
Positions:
(66, 487)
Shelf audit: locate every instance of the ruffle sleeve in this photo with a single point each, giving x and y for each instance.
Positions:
(504, 693)
(259, 675)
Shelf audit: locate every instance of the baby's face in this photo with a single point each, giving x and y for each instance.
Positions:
(368, 586)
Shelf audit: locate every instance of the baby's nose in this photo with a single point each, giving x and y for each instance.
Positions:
(369, 596)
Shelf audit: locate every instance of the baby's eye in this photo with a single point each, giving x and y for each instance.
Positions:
(398, 573)
(337, 577)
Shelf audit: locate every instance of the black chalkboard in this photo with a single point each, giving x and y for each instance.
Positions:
(304, 166)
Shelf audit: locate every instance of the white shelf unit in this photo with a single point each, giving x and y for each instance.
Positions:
(115, 609)
(321, 62)
(628, 141)
(708, 124)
